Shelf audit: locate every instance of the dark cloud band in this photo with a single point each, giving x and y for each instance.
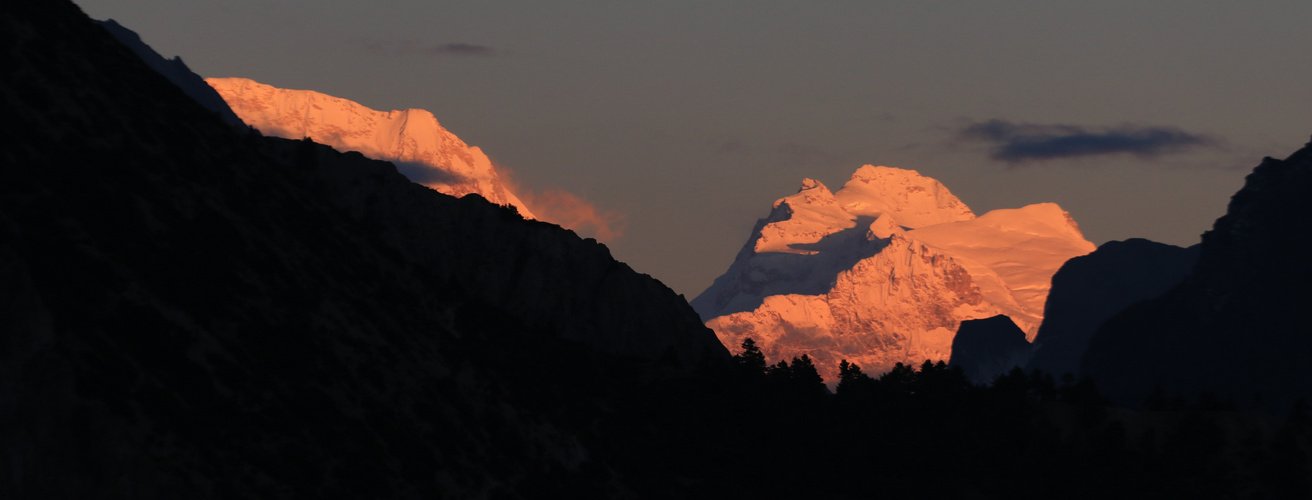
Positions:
(410, 47)
(1023, 142)
(460, 49)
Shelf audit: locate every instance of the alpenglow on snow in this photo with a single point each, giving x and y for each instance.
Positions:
(411, 139)
(884, 271)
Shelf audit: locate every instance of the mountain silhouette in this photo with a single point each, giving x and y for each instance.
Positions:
(1237, 327)
(989, 347)
(1089, 289)
(174, 70)
(190, 310)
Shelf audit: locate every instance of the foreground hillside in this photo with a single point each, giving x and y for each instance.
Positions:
(193, 311)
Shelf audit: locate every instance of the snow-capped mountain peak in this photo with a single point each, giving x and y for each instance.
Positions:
(884, 270)
(412, 138)
(1020, 248)
(912, 199)
(801, 220)
(809, 183)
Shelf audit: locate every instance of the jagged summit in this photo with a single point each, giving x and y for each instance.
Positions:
(412, 139)
(801, 219)
(884, 271)
(914, 200)
(809, 183)
(906, 198)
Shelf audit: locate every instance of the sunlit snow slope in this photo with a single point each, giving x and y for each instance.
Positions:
(412, 139)
(884, 271)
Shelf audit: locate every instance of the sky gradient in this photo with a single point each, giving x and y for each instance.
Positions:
(684, 121)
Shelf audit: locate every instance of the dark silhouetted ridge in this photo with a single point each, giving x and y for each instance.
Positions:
(1088, 290)
(1238, 326)
(188, 312)
(175, 70)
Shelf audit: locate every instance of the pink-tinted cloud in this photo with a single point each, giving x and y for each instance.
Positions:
(570, 211)
(561, 207)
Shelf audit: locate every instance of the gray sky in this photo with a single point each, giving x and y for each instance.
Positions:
(688, 119)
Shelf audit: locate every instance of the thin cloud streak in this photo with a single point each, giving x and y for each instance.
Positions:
(413, 48)
(1027, 142)
(460, 50)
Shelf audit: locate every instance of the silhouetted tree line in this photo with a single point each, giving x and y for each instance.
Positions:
(751, 429)
(1024, 435)
(799, 376)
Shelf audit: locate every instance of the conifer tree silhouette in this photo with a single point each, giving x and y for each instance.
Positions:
(805, 373)
(751, 360)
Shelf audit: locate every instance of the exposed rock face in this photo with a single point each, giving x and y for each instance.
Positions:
(1238, 325)
(1089, 289)
(989, 347)
(186, 316)
(884, 271)
(412, 139)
